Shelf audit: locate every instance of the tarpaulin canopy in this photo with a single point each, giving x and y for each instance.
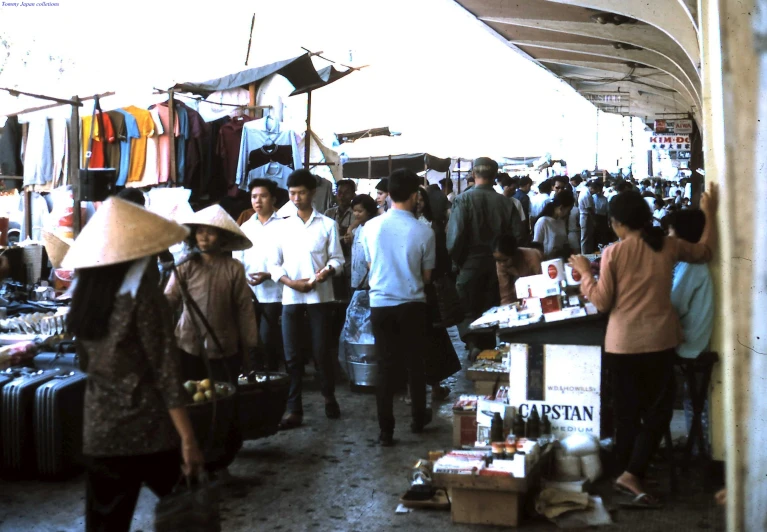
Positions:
(378, 167)
(299, 71)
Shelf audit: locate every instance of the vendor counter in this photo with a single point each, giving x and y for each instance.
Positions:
(557, 369)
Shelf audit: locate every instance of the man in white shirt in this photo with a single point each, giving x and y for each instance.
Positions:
(263, 231)
(539, 201)
(308, 253)
(401, 254)
(602, 232)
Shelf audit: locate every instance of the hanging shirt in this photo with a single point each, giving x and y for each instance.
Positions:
(60, 141)
(253, 139)
(164, 140)
(113, 148)
(273, 172)
(10, 148)
(146, 129)
(323, 197)
(131, 132)
(267, 124)
(151, 174)
(212, 166)
(193, 175)
(537, 204)
(228, 149)
(272, 153)
(98, 148)
(256, 259)
(302, 250)
(38, 155)
(183, 126)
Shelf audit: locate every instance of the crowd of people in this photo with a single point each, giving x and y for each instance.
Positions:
(417, 259)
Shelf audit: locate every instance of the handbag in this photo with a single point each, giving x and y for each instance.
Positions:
(448, 302)
(190, 507)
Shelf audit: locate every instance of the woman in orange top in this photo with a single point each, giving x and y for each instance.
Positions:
(643, 330)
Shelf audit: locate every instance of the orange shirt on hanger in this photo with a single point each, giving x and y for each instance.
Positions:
(97, 150)
(138, 146)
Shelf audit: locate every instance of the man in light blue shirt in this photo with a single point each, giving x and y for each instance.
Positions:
(692, 295)
(401, 254)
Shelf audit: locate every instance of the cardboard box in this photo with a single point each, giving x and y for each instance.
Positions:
(464, 427)
(536, 286)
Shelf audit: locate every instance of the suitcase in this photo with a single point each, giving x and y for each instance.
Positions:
(58, 425)
(17, 422)
(65, 358)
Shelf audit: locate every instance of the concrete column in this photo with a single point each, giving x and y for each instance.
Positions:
(735, 141)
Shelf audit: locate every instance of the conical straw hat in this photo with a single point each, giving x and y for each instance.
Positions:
(56, 246)
(215, 216)
(122, 231)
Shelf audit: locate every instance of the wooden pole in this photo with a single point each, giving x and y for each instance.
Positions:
(252, 109)
(172, 134)
(74, 164)
(308, 139)
(370, 167)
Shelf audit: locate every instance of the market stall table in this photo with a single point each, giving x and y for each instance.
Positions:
(556, 367)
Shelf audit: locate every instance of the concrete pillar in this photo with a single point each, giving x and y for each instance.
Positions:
(735, 145)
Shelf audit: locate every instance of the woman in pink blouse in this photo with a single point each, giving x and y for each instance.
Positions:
(643, 330)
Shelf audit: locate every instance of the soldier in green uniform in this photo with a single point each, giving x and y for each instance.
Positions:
(478, 217)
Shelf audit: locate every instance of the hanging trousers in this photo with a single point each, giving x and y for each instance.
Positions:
(643, 406)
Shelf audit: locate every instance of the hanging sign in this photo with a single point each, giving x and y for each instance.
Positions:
(679, 127)
(683, 127)
(568, 386)
(670, 142)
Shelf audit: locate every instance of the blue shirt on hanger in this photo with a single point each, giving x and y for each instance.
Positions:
(131, 128)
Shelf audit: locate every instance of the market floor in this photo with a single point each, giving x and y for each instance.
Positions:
(330, 476)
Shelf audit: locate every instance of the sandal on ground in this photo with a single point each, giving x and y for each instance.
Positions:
(643, 501)
(291, 421)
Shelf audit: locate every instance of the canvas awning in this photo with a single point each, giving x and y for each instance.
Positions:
(379, 167)
(299, 71)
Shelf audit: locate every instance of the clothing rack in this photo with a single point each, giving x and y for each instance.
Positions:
(60, 102)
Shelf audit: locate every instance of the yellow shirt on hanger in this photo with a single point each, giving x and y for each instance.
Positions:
(138, 146)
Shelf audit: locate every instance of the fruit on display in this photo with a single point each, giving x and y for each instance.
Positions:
(205, 390)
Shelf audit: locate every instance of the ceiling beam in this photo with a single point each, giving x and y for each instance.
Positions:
(667, 15)
(641, 35)
(638, 93)
(637, 56)
(649, 75)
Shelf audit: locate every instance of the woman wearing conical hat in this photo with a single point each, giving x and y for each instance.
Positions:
(136, 428)
(217, 284)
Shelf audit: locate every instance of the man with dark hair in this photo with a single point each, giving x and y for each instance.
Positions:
(539, 201)
(575, 181)
(401, 254)
(587, 221)
(308, 253)
(343, 215)
(692, 294)
(479, 216)
(263, 231)
(382, 195)
(522, 195)
(558, 184)
(509, 185)
(602, 231)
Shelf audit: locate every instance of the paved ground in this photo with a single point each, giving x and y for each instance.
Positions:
(330, 476)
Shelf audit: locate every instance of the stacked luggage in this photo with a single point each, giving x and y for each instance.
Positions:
(41, 418)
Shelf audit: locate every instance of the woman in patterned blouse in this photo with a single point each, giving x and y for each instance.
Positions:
(136, 427)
